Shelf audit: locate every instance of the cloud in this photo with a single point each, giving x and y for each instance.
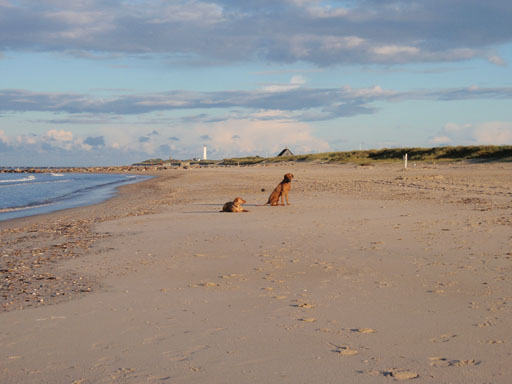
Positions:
(144, 139)
(295, 82)
(298, 102)
(60, 135)
(283, 31)
(164, 149)
(497, 60)
(98, 141)
(248, 137)
(174, 138)
(396, 50)
(56, 148)
(489, 133)
(206, 137)
(494, 133)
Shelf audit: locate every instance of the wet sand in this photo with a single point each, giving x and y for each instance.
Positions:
(373, 274)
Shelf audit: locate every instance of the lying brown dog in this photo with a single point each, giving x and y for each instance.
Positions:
(281, 191)
(234, 206)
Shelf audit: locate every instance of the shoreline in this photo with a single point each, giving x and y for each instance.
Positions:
(34, 245)
(79, 197)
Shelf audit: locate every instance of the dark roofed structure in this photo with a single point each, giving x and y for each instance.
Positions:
(285, 152)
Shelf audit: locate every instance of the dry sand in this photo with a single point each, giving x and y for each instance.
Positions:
(373, 274)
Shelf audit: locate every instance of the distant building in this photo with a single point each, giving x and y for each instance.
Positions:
(204, 153)
(285, 152)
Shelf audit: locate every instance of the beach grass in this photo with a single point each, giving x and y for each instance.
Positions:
(458, 153)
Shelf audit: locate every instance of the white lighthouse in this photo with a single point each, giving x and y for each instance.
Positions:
(204, 152)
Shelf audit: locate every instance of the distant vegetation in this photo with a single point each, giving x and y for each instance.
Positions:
(475, 153)
(248, 160)
(472, 153)
(151, 162)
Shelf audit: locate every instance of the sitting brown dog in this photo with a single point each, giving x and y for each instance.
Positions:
(281, 191)
(234, 206)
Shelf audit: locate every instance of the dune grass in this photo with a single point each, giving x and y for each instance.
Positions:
(461, 153)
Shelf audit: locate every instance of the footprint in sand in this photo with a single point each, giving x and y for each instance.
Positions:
(443, 338)
(308, 320)
(207, 284)
(441, 362)
(488, 322)
(230, 276)
(346, 351)
(397, 374)
(363, 330)
(404, 375)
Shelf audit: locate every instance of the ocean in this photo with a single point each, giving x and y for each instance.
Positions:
(27, 194)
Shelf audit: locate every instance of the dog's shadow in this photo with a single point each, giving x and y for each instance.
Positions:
(216, 205)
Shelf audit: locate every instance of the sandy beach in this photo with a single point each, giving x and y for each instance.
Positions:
(372, 274)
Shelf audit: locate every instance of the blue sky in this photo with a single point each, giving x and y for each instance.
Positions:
(95, 82)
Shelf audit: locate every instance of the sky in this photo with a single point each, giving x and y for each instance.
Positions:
(113, 82)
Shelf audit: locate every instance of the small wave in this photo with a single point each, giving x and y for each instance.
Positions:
(14, 209)
(57, 174)
(29, 178)
(34, 183)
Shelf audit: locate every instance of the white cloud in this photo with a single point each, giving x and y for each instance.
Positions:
(295, 82)
(257, 137)
(373, 92)
(497, 60)
(60, 135)
(489, 133)
(494, 133)
(395, 50)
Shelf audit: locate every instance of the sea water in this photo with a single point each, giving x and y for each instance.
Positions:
(27, 194)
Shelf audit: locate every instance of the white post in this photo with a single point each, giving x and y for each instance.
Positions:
(204, 152)
(405, 161)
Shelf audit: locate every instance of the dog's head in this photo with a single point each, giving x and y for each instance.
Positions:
(239, 201)
(288, 177)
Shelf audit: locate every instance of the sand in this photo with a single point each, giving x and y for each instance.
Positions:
(373, 274)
